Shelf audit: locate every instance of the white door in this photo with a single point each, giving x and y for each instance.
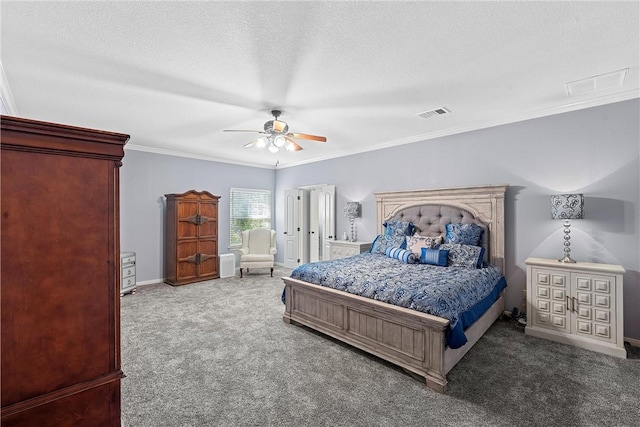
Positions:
(296, 224)
(314, 227)
(291, 215)
(322, 222)
(326, 218)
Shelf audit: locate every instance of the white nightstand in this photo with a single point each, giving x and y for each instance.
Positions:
(128, 273)
(344, 248)
(578, 304)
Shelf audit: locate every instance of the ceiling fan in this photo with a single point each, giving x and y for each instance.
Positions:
(277, 135)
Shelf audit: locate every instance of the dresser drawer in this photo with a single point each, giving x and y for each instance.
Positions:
(128, 271)
(129, 259)
(128, 282)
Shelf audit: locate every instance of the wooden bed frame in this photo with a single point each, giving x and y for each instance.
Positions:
(410, 339)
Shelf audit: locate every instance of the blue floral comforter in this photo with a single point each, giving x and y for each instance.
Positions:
(458, 294)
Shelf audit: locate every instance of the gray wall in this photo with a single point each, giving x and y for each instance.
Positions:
(144, 180)
(593, 151)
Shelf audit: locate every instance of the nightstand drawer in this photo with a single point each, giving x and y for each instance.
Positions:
(344, 248)
(128, 271)
(129, 259)
(128, 282)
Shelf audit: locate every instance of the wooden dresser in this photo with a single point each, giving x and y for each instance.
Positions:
(60, 285)
(191, 237)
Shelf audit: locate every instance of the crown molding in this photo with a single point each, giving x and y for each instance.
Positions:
(534, 114)
(165, 152)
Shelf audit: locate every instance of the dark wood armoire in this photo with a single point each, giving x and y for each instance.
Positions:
(191, 245)
(59, 293)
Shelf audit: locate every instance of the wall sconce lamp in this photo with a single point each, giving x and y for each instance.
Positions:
(567, 207)
(352, 211)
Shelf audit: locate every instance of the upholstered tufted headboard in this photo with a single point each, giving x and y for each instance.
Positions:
(431, 210)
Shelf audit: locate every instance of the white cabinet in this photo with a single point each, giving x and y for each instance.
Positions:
(344, 248)
(128, 272)
(578, 304)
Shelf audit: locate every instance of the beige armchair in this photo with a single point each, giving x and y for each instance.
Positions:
(258, 249)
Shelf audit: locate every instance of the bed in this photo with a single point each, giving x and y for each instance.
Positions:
(414, 340)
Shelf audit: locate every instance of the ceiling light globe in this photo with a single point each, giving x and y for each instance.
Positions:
(262, 142)
(273, 148)
(279, 141)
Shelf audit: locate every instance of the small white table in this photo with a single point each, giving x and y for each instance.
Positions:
(345, 248)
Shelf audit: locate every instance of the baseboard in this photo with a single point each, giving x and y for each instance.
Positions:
(634, 342)
(150, 282)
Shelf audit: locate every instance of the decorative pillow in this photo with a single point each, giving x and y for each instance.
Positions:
(416, 242)
(463, 234)
(399, 227)
(384, 242)
(464, 255)
(434, 257)
(403, 255)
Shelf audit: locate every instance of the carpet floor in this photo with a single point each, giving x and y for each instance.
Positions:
(217, 353)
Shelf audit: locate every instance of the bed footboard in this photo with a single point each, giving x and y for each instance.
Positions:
(410, 339)
(407, 338)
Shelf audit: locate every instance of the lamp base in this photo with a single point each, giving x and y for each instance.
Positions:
(567, 259)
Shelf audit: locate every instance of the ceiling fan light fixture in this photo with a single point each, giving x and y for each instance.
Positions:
(279, 141)
(262, 142)
(276, 136)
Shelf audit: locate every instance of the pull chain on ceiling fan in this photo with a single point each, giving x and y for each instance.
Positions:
(277, 136)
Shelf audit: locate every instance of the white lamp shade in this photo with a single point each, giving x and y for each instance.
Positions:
(567, 206)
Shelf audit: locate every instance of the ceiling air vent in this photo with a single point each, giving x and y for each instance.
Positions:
(592, 84)
(436, 112)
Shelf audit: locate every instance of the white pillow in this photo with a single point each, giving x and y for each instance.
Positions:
(416, 242)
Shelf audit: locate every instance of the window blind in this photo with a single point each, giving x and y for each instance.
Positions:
(250, 208)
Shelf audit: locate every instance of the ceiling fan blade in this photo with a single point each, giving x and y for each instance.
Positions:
(307, 136)
(242, 130)
(294, 145)
(251, 144)
(279, 126)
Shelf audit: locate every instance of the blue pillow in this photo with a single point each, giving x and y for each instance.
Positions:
(434, 257)
(384, 242)
(403, 255)
(464, 255)
(399, 227)
(463, 234)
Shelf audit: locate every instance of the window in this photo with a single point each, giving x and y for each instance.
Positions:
(249, 209)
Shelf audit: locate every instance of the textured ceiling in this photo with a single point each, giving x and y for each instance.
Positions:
(173, 75)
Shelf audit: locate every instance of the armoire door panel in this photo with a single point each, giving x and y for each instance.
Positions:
(187, 220)
(75, 321)
(208, 220)
(208, 247)
(59, 296)
(208, 267)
